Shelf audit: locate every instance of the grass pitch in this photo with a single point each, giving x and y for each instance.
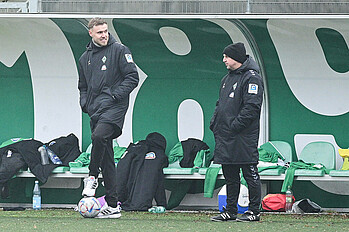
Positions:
(68, 220)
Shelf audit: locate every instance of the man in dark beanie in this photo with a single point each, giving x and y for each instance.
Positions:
(236, 51)
(235, 125)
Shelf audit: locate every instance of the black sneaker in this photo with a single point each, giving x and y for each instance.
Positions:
(225, 216)
(249, 216)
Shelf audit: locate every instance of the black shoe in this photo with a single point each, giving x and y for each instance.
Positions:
(225, 216)
(249, 216)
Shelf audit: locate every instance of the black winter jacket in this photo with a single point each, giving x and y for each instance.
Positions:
(235, 122)
(139, 174)
(25, 153)
(191, 147)
(107, 75)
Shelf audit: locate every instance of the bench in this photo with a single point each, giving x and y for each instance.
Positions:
(314, 152)
(62, 177)
(199, 174)
(71, 180)
(72, 177)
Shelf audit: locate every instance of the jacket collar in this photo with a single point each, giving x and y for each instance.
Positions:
(93, 46)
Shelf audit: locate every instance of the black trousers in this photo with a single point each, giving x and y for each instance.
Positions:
(231, 174)
(102, 159)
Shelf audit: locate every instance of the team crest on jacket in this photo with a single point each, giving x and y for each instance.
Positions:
(231, 95)
(129, 58)
(9, 154)
(104, 59)
(104, 67)
(235, 85)
(150, 155)
(253, 88)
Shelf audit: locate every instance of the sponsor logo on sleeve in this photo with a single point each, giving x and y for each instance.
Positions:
(253, 88)
(129, 58)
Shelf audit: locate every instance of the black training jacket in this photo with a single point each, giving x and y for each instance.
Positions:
(25, 153)
(139, 174)
(235, 123)
(107, 75)
(191, 147)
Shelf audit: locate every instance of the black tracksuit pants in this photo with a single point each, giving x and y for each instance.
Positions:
(231, 174)
(102, 159)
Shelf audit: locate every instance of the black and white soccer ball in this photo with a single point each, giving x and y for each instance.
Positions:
(89, 207)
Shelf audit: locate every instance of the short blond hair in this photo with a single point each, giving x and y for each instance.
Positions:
(95, 22)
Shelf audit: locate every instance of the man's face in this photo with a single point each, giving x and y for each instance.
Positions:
(100, 34)
(230, 63)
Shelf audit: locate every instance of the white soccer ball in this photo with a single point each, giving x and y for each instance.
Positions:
(89, 207)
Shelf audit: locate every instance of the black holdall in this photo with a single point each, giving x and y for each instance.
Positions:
(306, 206)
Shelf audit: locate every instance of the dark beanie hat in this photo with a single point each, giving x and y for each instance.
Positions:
(236, 51)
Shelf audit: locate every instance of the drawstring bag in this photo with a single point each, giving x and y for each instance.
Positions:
(274, 202)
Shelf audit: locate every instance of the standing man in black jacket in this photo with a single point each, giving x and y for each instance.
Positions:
(107, 76)
(235, 125)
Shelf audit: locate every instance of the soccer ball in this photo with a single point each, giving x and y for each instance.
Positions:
(89, 207)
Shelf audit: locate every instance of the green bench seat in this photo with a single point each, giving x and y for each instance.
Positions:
(339, 173)
(83, 170)
(271, 172)
(203, 171)
(304, 172)
(179, 171)
(61, 169)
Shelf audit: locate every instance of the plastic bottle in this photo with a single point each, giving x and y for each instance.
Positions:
(36, 196)
(160, 209)
(152, 209)
(289, 200)
(53, 157)
(44, 156)
(157, 209)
